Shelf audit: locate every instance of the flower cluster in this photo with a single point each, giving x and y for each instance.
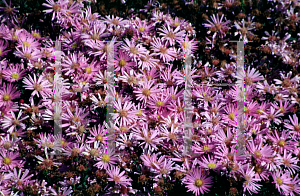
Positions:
(150, 106)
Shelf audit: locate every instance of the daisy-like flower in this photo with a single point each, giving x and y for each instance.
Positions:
(143, 27)
(248, 78)
(7, 94)
(147, 61)
(231, 111)
(198, 181)
(292, 16)
(294, 126)
(265, 87)
(123, 62)
(282, 142)
(58, 8)
(75, 150)
(28, 53)
(210, 163)
(244, 30)
(40, 87)
(271, 38)
(94, 151)
(98, 102)
(148, 138)
(133, 49)
(146, 90)
(217, 26)
(3, 46)
(65, 192)
(77, 116)
(250, 183)
(97, 134)
(177, 107)
(124, 114)
(118, 177)
(283, 108)
(281, 181)
(19, 181)
(14, 73)
(125, 141)
(170, 35)
(287, 81)
(8, 10)
(48, 141)
(114, 21)
(186, 44)
(271, 115)
(103, 78)
(74, 64)
(161, 49)
(159, 102)
(11, 123)
(295, 186)
(288, 162)
(7, 160)
(260, 152)
(130, 78)
(107, 159)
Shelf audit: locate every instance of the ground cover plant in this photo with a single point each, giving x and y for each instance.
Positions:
(149, 50)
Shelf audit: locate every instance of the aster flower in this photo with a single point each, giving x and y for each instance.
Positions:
(146, 90)
(3, 46)
(282, 142)
(7, 159)
(143, 27)
(250, 183)
(97, 134)
(74, 64)
(98, 102)
(248, 78)
(7, 94)
(124, 114)
(40, 87)
(14, 73)
(158, 102)
(288, 162)
(281, 181)
(161, 49)
(66, 192)
(295, 186)
(114, 21)
(11, 123)
(28, 53)
(19, 181)
(170, 35)
(107, 159)
(217, 26)
(265, 87)
(197, 181)
(294, 126)
(123, 62)
(78, 117)
(271, 38)
(210, 163)
(58, 8)
(244, 31)
(134, 50)
(147, 61)
(149, 138)
(118, 177)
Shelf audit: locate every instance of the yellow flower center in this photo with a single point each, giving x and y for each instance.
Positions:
(15, 75)
(141, 29)
(122, 63)
(123, 129)
(211, 165)
(159, 103)
(206, 148)
(94, 152)
(281, 143)
(146, 92)
(185, 44)
(176, 24)
(198, 183)
(105, 158)
(279, 181)
(0, 52)
(36, 35)
(6, 97)
(7, 161)
(231, 116)
(139, 112)
(259, 111)
(99, 138)
(26, 44)
(88, 70)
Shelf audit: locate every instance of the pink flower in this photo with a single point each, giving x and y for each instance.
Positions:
(217, 26)
(19, 181)
(171, 35)
(123, 62)
(14, 73)
(250, 180)
(57, 8)
(107, 159)
(7, 160)
(40, 87)
(281, 181)
(3, 46)
(146, 90)
(28, 53)
(294, 126)
(11, 123)
(118, 177)
(162, 50)
(125, 115)
(271, 116)
(7, 94)
(248, 77)
(97, 135)
(288, 162)
(197, 181)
